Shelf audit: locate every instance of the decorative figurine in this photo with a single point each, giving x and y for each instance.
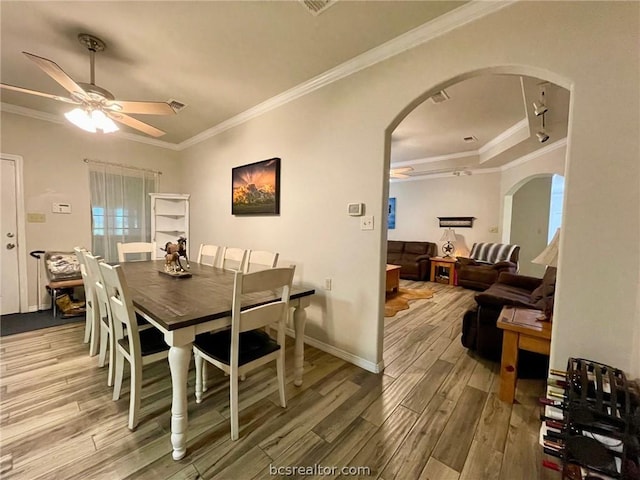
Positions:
(173, 253)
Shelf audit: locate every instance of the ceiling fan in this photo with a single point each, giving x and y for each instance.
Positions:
(400, 172)
(96, 106)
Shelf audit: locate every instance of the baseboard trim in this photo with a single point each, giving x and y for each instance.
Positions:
(34, 308)
(342, 354)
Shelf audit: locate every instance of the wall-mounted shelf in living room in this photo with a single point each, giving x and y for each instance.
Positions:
(456, 222)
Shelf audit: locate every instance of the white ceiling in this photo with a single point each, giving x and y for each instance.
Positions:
(221, 58)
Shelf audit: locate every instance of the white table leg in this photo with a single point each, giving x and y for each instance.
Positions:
(299, 319)
(179, 364)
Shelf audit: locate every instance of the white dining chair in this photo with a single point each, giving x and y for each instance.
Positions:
(233, 258)
(260, 260)
(208, 255)
(245, 346)
(104, 309)
(139, 347)
(131, 248)
(92, 316)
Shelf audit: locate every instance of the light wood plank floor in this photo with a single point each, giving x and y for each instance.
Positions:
(433, 413)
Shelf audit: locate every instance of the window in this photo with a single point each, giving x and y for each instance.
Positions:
(120, 207)
(555, 205)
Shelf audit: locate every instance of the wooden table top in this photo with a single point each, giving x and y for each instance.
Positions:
(181, 302)
(524, 320)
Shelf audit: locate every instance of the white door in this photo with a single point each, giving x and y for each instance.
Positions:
(10, 280)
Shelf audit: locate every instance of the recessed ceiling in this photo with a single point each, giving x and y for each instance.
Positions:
(496, 110)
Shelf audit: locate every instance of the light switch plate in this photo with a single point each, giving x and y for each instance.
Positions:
(366, 222)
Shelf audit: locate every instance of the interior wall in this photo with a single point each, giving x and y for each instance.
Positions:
(420, 203)
(54, 171)
(334, 153)
(530, 223)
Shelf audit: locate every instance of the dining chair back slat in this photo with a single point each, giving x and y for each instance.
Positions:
(234, 258)
(261, 260)
(208, 255)
(131, 248)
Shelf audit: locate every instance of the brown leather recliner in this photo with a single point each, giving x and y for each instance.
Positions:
(485, 263)
(413, 258)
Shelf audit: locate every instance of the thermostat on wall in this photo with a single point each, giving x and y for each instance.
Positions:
(356, 209)
(61, 208)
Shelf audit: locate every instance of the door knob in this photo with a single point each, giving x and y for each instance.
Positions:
(10, 235)
(11, 246)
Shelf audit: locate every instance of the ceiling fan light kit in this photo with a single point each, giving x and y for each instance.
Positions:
(96, 108)
(91, 121)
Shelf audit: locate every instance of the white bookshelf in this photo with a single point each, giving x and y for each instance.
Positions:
(169, 219)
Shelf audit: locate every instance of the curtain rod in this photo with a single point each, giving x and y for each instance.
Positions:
(99, 162)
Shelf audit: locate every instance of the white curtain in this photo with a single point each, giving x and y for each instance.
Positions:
(120, 207)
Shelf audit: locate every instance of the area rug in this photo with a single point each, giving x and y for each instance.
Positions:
(396, 302)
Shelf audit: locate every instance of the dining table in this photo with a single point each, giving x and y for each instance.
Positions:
(197, 301)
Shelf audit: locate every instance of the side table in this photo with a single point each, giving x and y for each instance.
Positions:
(447, 264)
(393, 278)
(522, 330)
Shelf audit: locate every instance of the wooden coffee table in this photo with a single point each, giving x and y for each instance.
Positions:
(522, 330)
(393, 278)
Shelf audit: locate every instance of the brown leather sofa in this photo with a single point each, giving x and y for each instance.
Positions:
(479, 330)
(485, 263)
(413, 258)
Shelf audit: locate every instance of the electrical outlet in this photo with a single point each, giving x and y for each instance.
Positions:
(327, 284)
(366, 222)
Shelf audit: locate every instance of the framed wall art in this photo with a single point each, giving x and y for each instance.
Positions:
(391, 217)
(256, 188)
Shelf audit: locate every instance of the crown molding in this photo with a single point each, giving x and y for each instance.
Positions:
(467, 13)
(438, 158)
(448, 174)
(50, 117)
(535, 154)
(514, 134)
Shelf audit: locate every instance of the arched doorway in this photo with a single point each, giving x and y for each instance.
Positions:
(525, 164)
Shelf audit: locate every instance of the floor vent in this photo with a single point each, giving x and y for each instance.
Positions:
(176, 105)
(316, 7)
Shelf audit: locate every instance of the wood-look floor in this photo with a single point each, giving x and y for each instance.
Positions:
(432, 414)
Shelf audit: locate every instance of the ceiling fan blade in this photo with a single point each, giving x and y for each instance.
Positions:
(399, 175)
(36, 92)
(145, 108)
(134, 123)
(54, 71)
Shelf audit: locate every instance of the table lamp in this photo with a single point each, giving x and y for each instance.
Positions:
(549, 258)
(448, 236)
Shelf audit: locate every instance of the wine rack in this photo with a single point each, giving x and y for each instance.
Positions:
(592, 422)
